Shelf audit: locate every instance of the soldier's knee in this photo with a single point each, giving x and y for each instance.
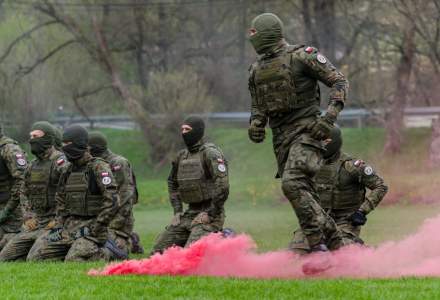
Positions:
(291, 189)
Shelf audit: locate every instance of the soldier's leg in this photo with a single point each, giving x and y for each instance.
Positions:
(303, 162)
(18, 247)
(121, 241)
(6, 238)
(200, 230)
(173, 235)
(84, 249)
(299, 243)
(46, 250)
(350, 234)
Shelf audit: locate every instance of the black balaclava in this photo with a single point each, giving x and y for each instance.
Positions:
(40, 145)
(58, 141)
(196, 134)
(79, 139)
(269, 31)
(97, 143)
(335, 145)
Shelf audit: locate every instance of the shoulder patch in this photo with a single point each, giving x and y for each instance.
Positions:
(309, 49)
(221, 168)
(61, 161)
(103, 174)
(19, 155)
(368, 170)
(321, 58)
(116, 167)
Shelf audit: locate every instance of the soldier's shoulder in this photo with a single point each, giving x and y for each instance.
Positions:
(211, 150)
(118, 162)
(97, 164)
(59, 158)
(359, 166)
(5, 140)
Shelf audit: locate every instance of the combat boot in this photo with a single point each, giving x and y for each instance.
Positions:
(317, 261)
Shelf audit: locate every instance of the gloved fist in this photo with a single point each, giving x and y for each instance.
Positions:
(4, 215)
(30, 224)
(358, 218)
(256, 131)
(320, 130)
(176, 219)
(201, 218)
(55, 235)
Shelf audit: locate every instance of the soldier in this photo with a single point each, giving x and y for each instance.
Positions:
(58, 144)
(199, 178)
(41, 180)
(283, 84)
(87, 200)
(121, 227)
(342, 184)
(13, 164)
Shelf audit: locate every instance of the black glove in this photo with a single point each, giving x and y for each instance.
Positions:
(99, 233)
(55, 235)
(256, 132)
(82, 232)
(322, 127)
(358, 218)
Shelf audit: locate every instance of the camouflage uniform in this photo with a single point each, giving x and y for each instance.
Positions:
(13, 164)
(121, 226)
(342, 184)
(199, 178)
(87, 200)
(41, 181)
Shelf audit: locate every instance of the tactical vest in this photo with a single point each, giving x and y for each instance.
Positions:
(42, 186)
(5, 175)
(79, 199)
(194, 186)
(275, 86)
(336, 188)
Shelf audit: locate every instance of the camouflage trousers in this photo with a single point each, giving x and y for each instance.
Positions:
(184, 233)
(67, 249)
(121, 240)
(5, 237)
(350, 235)
(18, 246)
(303, 161)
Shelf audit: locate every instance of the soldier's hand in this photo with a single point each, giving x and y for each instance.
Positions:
(176, 219)
(201, 218)
(256, 131)
(358, 218)
(4, 215)
(30, 224)
(321, 129)
(51, 225)
(55, 235)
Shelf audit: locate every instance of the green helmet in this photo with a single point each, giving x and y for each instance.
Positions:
(336, 142)
(58, 138)
(97, 143)
(266, 32)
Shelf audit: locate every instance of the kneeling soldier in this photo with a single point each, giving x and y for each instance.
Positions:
(87, 200)
(41, 180)
(198, 177)
(342, 184)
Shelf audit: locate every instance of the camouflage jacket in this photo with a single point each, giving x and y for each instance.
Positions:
(13, 164)
(302, 67)
(215, 168)
(342, 184)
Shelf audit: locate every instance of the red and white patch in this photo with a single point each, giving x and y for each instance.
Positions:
(309, 50)
(19, 155)
(116, 168)
(60, 161)
(358, 162)
(221, 161)
(104, 174)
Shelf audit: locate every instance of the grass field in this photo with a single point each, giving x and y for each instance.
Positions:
(256, 207)
(269, 226)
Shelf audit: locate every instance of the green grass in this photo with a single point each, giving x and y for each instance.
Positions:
(270, 226)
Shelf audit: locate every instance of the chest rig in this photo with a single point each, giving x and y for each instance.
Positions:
(42, 186)
(337, 188)
(276, 91)
(194, 185)
(83, 198)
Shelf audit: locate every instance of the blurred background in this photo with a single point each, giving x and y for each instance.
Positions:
(135, 68)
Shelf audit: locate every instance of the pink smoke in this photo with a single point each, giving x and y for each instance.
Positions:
(416, 255)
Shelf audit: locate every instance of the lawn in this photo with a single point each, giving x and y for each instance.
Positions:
(270, 226)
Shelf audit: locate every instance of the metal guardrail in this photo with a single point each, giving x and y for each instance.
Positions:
(414, 117)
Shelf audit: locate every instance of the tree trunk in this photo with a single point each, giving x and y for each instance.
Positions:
(395, 111)
(434, 149)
